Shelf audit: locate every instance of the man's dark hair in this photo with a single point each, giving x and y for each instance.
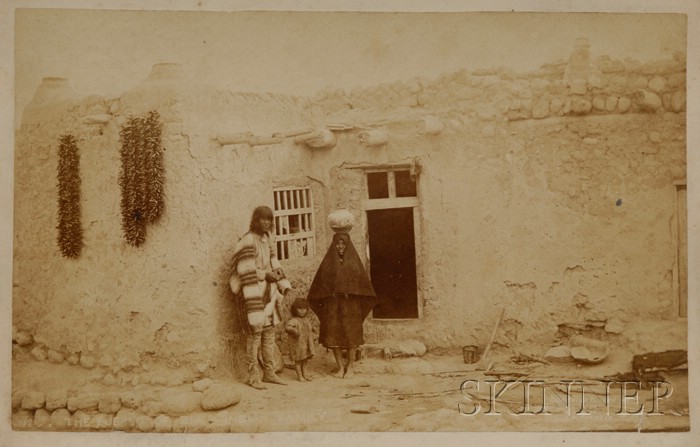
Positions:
(260, 213)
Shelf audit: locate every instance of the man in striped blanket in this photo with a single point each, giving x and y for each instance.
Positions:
(258, 283)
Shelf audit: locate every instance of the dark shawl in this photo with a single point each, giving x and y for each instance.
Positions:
(346, 277)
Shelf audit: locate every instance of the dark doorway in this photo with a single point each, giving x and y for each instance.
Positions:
(393, 262)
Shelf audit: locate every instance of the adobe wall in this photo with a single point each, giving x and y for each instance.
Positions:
(550, 194)
(554, 225)
(518, 199)
(120, 307)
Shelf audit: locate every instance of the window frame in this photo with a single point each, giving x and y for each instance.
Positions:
(304, 211)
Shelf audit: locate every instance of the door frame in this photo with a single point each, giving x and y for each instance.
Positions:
(676, 248)
(393, 203)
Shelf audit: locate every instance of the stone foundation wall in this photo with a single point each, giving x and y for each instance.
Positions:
(195, 409)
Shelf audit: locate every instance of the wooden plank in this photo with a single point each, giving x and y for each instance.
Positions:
(262, 141)
(292, 212)
(290, 188)
(311, 246)
(394, 202)
(312, 223)
(293, 132)
(293, 236)
(419, 261)
(391, 180)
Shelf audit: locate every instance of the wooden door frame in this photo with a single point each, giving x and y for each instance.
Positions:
(675, 240)
(394, 203)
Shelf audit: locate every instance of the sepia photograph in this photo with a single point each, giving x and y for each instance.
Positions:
(249, 220)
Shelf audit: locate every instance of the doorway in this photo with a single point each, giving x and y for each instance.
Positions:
(392, 263)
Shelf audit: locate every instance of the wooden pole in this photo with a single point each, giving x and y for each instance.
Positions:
(493, 337)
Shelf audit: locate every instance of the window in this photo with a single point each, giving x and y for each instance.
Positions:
(378, 185)
(294, 222)
(405, 185)
(391, 210)
(390, 184)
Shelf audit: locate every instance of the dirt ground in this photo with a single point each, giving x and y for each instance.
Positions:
(413, 394)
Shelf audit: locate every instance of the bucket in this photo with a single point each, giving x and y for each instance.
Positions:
(470, 353)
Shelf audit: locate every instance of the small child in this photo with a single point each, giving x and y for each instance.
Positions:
(300, 337)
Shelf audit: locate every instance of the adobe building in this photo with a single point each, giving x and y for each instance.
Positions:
(556, 197)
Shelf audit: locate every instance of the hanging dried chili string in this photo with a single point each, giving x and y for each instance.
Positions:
(154, 169)
(141, 178)
(70, 232)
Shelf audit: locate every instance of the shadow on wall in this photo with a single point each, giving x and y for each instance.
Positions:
(231, 359)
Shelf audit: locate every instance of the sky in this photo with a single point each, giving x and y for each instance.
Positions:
(105, 52)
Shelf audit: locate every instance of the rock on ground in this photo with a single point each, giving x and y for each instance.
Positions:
(145, 423)
(191, 423)
(22, 420)
(130, 399)
(61, 419)
(56, 399)
(163, 424)
(397, 348)
(125, 419)
(23, 338)
(222, 396)
(81, 420)
(41, 418)
(38, 353)
(55, 356)
(218, 423)
(177, 403)
(17, 397)
(202, 385)
(109, 403)
(87, 402)
(33, 400)
(87, 361)
(101, 421)
(558, 354)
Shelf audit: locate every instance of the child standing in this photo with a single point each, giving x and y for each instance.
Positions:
(300, 336)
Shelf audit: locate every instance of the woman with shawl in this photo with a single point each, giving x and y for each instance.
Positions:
(341, 295)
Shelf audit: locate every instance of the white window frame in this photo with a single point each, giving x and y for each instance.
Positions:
(294, 201)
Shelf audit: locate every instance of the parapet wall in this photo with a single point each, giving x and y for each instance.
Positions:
(580, 87)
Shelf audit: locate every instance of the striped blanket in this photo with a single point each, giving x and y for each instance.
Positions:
(248, 282)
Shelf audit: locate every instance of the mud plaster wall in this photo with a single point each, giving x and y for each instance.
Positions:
(167, 301)
(517, 205)
(544, 195)
(528, 220)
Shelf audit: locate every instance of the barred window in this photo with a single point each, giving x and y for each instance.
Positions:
(294, 222)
